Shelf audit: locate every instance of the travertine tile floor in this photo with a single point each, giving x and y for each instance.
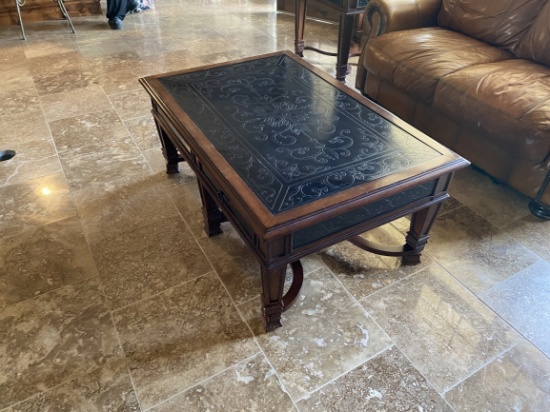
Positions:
(113, 299)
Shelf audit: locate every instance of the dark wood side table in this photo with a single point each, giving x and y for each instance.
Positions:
(297, 162)
(349, 11)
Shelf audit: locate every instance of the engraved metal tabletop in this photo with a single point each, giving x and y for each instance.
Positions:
(289, 134)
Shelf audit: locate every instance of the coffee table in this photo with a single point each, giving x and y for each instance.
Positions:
(297, 162)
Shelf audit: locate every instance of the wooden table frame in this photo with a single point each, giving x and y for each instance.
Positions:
(350, 12)
(274, 239)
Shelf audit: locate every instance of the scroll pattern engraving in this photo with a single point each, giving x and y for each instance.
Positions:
(290, 135)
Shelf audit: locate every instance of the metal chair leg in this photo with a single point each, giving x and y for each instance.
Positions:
(65, 13)
(18, 4)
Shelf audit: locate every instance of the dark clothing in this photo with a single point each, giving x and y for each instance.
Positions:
(117, 8)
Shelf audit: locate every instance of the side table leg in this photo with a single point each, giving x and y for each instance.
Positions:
(417, 237)
(272, 297)
(211, 213)
(169, 151)
(299, 25)
(344, 44)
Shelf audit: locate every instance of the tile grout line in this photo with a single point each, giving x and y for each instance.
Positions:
(201, 382)
(256, 341)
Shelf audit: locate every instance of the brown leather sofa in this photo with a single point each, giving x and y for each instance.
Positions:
(472, 74)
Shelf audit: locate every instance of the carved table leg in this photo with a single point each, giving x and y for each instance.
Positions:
(273, 301)
(169, 152)
(344, 44)
(299, 25)
(273, 281)
(212, 215)
(417, 237)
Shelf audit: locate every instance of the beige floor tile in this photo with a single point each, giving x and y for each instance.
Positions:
(103, 47)
(219, 46)
(533, 233)
(147, 46)
(53, 29)
(122, 205)
(363, 273)
(12, 50)
(389, 382)
(98, 164)
(155, 159)
(43, 259)
(37, 202)
(324, 334)
(64, 80)
(107, 388)
(234, 263)
(74, 102)
(443, 329)
(144, 132)
(33, 159)
(16, 76)
(118, 61)
(121, 80)
(476, 253)
(261, 44)
(20, 102)
(60, 73)
(188, 201)
(515, 381)
(139, 263)
(48, 47)
(254, 380)
(132, 104)
(9, 32)
(181, 337)
(497, 203)
(53, 339)
(524, 302)
(174, 61)
(99, 128)
(23, 129)
(244, 31)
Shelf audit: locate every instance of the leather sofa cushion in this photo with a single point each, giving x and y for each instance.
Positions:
(501, 23)
(415, 60)
(508, 101)
(535, 45)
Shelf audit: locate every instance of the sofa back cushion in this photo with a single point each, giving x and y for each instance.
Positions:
(501, 23)
(535, 45)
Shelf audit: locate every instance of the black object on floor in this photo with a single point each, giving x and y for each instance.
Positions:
(6, 154)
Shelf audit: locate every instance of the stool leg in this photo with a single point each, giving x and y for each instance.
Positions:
(18, 6)
(65, 13)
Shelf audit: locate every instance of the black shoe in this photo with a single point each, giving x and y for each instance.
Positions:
(134, 6)
(115, 24)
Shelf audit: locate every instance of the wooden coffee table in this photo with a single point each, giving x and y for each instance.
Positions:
(297, 162)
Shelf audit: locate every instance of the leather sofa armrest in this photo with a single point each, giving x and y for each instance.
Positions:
(383, 16)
